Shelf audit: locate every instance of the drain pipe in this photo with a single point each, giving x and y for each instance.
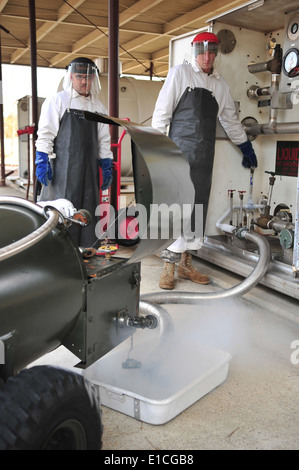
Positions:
(241, 289)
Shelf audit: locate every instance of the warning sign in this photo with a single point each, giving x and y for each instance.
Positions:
(287, 155)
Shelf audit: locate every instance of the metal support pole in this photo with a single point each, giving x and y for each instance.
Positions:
(296, 235)
(33, 83)
(151, 70)
(113, 82)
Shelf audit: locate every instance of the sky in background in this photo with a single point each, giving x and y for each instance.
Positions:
(16, 83)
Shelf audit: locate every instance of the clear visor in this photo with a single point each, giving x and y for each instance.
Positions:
(79, 73)
(205, 46)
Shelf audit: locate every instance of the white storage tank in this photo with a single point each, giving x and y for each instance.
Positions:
(137, 99)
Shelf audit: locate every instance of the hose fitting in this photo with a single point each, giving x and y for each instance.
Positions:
(240, 233)
(140, 321)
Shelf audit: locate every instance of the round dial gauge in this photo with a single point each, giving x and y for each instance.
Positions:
(291, 63)
(293, 28)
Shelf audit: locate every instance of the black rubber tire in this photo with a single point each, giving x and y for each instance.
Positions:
(48, 408)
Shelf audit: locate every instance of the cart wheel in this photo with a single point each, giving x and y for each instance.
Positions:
(47, 408)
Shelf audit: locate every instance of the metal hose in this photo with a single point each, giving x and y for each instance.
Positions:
(21, 202)
(240, 289)
(34, 237)
(165, 323)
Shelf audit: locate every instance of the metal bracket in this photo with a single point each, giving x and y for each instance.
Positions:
(137, 409)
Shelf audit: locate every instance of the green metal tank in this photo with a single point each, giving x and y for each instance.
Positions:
(42, 288)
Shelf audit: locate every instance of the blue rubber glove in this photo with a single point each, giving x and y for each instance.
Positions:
(43, 168)
(249, 157)
(106, 165)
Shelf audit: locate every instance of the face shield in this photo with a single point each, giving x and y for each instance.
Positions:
(83, 75)
(204, 47)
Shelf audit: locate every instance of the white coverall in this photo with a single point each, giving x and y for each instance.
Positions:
(80, 145)
(180, 78)
(52, 112)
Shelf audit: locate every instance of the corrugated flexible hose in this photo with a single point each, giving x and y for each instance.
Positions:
(246, 285)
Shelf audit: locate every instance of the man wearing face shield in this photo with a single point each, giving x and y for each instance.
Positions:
(191, 99)
(70, 149)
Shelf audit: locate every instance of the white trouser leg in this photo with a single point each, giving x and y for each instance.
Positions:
(182, 244)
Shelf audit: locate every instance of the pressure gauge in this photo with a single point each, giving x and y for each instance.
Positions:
(293, 28)
(291, 62)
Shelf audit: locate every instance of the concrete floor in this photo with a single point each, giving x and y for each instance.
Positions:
(257, 407)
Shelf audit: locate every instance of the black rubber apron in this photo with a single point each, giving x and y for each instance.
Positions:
(193, 129)
(76, 171)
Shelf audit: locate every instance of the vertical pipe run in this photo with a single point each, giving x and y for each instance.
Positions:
(113, 83)
(33, 82)
(231, 210)
(241, 196)
(151, 70)
(296, 236)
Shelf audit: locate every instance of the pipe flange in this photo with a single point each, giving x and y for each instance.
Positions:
(247, 122)
(240, 233)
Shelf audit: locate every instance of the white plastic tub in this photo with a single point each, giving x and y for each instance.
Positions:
(166, 381)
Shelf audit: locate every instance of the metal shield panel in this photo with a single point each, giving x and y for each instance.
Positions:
(163, 187)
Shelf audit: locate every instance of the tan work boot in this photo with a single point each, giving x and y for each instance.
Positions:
(187, 271)
(167, 277)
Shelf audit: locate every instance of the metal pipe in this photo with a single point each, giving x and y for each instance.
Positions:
(279, 225)
(273, 110)
(273, 65)
(113, 83)
(22, 202)
(231, 203)
(269, 129)
(272, 127)
(256, 92)
(256, 68)
(165, 322)
(296, 235)
(33, 54)
(241, 289)
(240, 215)
(227, 228)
